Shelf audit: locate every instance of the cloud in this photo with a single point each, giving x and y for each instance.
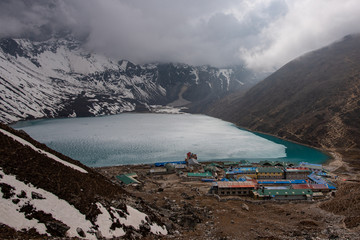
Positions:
(262, 34)
(308, 25)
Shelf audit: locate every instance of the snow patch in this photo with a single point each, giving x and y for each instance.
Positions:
(62, 211)
(134, 218)
(50, 203)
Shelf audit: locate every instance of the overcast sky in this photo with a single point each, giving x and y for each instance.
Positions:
(264, 34)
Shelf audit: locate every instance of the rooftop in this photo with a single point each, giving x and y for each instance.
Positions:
(269, 170)
(310, 186)
(281, 181)
(298, 169)
(235, 184)
(282, 192)
(241, 170)
(204, 174)
(127, 178)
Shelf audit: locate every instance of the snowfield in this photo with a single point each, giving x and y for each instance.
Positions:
(62, 211)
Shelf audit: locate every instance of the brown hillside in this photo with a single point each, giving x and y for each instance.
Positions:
(314, 99)
(82, 190)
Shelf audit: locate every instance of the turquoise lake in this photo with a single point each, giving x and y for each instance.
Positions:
(134, 138)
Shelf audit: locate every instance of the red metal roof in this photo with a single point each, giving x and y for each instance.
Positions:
(309, 186)
(246, 184)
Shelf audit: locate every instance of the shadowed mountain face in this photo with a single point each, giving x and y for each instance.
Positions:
(314, 99)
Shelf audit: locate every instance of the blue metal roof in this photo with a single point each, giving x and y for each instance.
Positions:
(161, 164)
(281, 181)
(241, 170)
(319, 180)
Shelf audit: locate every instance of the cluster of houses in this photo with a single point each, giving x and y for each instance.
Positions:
(263, 180)
(275, 180)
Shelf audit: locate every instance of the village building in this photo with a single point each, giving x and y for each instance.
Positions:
(283, 194)
(313, 167)
(297, 173)
(233, 188)
(267, 163)
(314, 187)
(198, 175)
(269, 172)
(162, 164)
(158, 171)
(128, 178)
(245, 163)
(236, 173)
(315, 179)
(279, 182)
(231, 164)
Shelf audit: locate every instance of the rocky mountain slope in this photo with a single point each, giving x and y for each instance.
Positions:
(45, 194)
(314, 99)
(60, 78)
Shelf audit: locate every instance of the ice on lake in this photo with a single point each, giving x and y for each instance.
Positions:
(147, 138)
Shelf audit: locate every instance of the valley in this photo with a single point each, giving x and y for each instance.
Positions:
(313, 100)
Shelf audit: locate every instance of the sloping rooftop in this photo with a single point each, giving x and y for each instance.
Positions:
(127, 178)
(283, 192)
(298, 169)
(241, 170)
(269, 170)
(275, 182)
(311, 165)
(204, 174)
(310, 186)
(235, 184)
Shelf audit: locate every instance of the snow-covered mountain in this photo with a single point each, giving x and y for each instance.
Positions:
(59, 78)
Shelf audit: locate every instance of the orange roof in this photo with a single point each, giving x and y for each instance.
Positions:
(246, 184)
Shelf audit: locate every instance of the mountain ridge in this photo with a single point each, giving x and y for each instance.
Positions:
(314, 99)
(59, 78)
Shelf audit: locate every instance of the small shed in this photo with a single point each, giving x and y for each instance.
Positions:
(128, 178)
(158, 171)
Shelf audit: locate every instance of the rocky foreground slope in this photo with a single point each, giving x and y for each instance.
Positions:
(46, 194)
(314, 99)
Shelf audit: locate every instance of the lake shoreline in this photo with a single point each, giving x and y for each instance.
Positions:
(137, 138)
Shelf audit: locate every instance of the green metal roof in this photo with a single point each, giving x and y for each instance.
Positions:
(127, 178)
(269, 170)
(215, 164)
(283, 192)
(204, 174)
(230, 163)
(271, 163)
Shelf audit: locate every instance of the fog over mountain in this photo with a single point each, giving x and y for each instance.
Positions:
(263, 34)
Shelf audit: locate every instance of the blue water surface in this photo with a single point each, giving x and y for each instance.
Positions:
(131, 138)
